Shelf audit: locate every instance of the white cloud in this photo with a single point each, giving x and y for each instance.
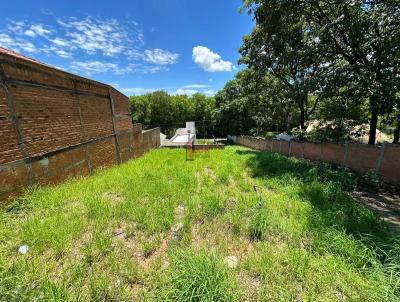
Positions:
(16, 43)
(209, 92)
(95, 67)
(27, 46)
(94, 39)
(60, 42)
(92, 35)
(160, 56)
(189, 92)
(152, 69)
(16, 27)
(210, 61)
(39, 30)
(196, 86)
(138, 90)
(63, 54)
(30, 33)
(34, 30)
(179, 91)
(6, 41)
(92, 67)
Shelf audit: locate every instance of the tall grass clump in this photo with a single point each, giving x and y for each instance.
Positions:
(200, 276)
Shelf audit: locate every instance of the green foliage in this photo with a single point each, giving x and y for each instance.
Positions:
(200, 276)
(171, 111)
(340, 53)
(253, 105)
(258, 225)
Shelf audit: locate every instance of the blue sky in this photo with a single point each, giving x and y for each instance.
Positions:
(181, 46)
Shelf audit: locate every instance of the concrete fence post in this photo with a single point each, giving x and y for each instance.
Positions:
(17, 126)
(117, 148)
(380, 159)
(346, 153)
(83, 131)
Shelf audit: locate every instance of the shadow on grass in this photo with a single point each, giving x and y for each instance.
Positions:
(333, 210)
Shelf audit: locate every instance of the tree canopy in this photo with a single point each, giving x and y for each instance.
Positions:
(172, 111)
(323, 50)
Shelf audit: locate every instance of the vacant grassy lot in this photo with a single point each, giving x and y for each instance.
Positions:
(160, 228)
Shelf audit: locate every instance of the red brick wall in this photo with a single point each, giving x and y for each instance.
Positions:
(296, 149)
(103, 153)
(9, 149)
(13, 177)
(312, 151)
(151, 138)
(334, 153)
(125, 145)
(284, 148)
(390, 166)
(55, 125)
(96, 117)
(49, 119)
(137, 142)
(275, 146)
(60, 166)
(360, 157)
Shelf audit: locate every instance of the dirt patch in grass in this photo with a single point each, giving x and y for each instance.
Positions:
(384, 201)
(158, 257)
(179, 212)
(250, 287)
(211, 235)
(209, 173)
(114, 197)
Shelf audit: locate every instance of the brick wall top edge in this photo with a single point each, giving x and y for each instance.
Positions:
(152, 129)
(8, 58)
(113, 90)
(335, 143)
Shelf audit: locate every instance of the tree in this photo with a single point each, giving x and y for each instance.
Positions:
(282, 45)
(233, 108)
(252, 105)
(361, 39)
(171, 111)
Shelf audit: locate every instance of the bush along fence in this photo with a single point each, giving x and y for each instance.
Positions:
(383, 160)
(55, 125)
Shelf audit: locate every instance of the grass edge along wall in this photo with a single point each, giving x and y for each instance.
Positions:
(383, 160)
(55, 125)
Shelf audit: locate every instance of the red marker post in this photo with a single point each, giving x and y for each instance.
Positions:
(189, 148)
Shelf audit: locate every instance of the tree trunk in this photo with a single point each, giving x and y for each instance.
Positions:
(302, 119)
(302, 102)
(397, 132)
(372, 125)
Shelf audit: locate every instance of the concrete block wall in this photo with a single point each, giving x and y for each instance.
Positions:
(55, 125)
(383, 160)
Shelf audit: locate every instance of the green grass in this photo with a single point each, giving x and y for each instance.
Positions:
(158, 228)
(206, 141)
